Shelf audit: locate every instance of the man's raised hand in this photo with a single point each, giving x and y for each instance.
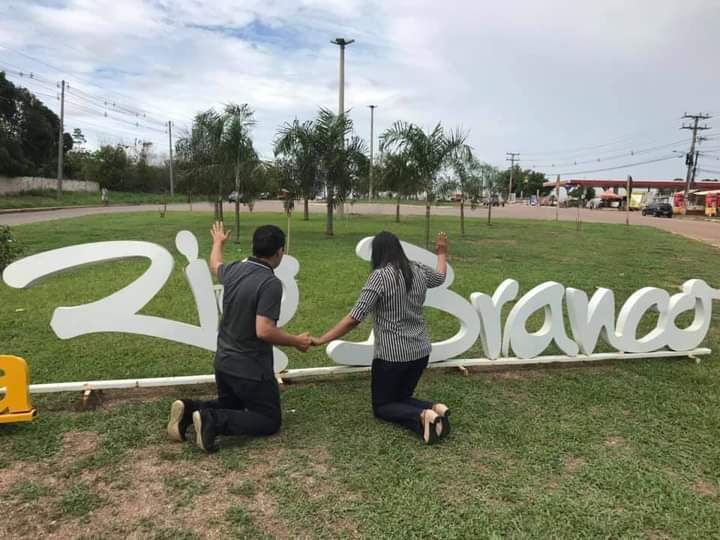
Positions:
(219, 235)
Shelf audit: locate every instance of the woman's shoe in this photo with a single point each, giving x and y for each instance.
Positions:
(443, 411)
(430, 422)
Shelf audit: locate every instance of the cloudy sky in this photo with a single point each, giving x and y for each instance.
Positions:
(573, 85)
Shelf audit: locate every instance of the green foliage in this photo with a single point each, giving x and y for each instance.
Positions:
(218, 156)
(28, 133)
(429, 154)
(525, 181)
(322, 154)
(9, 247)
(114, 169)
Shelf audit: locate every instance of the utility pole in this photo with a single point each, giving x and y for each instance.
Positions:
(342, 43)
(514, 156)
(372, 122)
(172, 180)
(60, 140)
(691, 156)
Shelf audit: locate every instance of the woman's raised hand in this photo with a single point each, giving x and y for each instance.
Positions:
(441, 244)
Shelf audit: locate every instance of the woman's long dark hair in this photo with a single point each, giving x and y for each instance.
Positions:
(386, 249)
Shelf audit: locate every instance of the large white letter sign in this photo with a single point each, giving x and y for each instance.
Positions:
(589, 321)
(481, 317)
(696, 295)
(489, 309)
(360, 354)
(549, 296)
(632, 313)
(119, 311)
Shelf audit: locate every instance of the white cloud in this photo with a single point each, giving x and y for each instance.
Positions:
(522, 75)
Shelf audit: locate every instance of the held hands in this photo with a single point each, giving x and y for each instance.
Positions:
(305, 341)
(441, 244)
(218, 233)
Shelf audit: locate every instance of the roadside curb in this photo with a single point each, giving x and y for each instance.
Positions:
(52, 208)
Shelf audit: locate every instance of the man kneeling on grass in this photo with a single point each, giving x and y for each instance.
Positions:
(248, 400)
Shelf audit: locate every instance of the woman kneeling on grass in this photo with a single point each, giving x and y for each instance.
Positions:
(395, 293)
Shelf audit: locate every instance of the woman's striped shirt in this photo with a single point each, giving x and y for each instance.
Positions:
(400, 331)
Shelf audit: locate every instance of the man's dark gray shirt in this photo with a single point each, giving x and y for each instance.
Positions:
(251, 289)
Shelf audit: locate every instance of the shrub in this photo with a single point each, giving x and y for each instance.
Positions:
(9, 248)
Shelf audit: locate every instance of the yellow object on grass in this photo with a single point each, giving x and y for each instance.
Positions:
(15, 404)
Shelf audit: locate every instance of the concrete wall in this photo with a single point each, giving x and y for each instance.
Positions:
(17, 184)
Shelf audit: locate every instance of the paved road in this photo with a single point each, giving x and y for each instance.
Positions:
(697, 229)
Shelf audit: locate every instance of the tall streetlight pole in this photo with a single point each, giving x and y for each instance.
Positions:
(372, 140)
(342, 43)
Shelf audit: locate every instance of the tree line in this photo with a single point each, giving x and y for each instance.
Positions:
(319, 157)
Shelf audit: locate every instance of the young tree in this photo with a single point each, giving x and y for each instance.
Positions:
(297, 149)
(398, 174)
(342, 159)
(489, 177)
(237, 155)
(429, 152)
(467, 180)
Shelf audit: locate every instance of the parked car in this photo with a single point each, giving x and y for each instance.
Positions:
(658, 209)
(233, 196)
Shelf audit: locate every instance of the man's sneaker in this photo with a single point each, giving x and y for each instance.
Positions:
(180, 419)
(204, 431)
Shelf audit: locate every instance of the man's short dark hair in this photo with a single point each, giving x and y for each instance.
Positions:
(267, 239)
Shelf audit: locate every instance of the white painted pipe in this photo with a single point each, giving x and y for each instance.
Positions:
(331, 371)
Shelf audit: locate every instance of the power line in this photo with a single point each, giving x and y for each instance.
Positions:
(570, 173)
(613, 157)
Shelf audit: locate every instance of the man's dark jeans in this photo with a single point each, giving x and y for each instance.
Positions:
(243, 406)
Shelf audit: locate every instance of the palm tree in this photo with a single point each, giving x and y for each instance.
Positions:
(489, 176)
(467, 173)
(429, 153)
(342, 159)
(197, 153)
(237, 154)
(295, 143)
(398, 174)
(219, 150)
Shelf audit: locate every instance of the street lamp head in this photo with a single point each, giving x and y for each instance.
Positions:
(342, 41)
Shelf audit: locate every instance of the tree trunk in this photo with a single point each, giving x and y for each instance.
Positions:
(237, 201)
(329, 221)
(237, 220)
(427, 222)
(490, 211)
(341, 209)
(462, 217)
(397, 210)
(306, 210)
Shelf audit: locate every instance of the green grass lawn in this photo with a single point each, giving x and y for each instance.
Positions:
(48, 198)
(623, 449)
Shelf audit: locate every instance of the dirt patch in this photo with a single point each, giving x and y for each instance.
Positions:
(79, 443)
(705, 488)
(573, 464)
(146, 492)
(163, 490)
